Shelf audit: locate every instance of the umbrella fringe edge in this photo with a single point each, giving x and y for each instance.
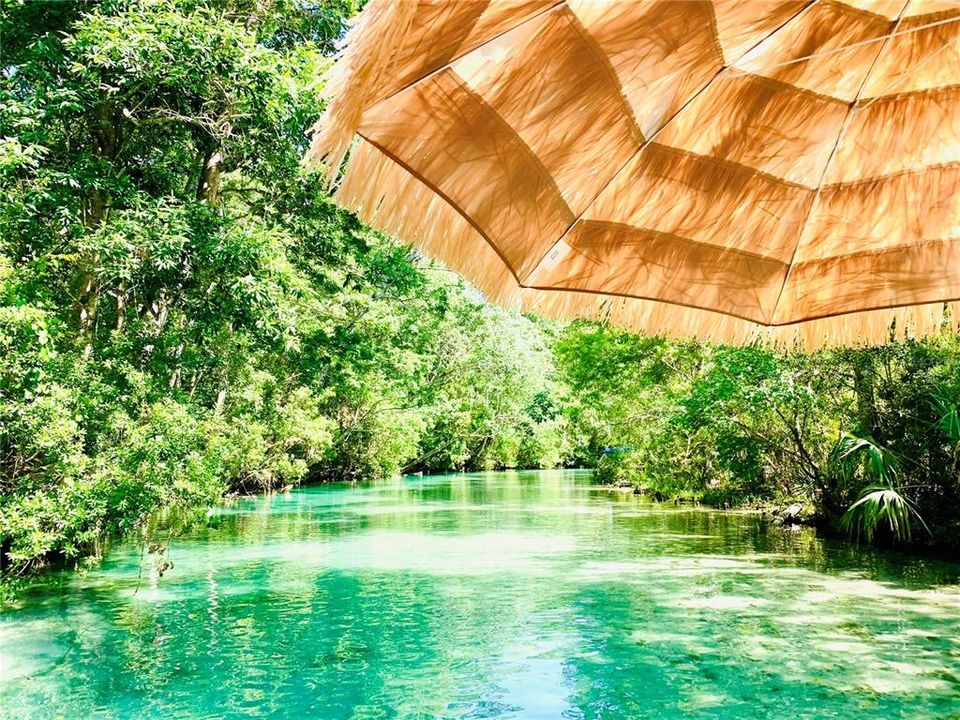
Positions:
(369, 46)
(387, 197)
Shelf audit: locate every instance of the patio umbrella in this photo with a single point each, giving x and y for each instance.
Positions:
(718, 169)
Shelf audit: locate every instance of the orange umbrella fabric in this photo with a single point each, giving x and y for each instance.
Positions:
(721, 169)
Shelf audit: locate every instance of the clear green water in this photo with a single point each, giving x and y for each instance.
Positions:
(499, 595)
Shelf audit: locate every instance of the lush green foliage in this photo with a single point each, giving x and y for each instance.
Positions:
(875, 429)
(185, 313)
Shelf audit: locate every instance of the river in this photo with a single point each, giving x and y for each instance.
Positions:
(486, 595)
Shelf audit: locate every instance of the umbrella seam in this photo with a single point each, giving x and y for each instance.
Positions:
(621, 226)
(731, 165)
(877, 251)
(456, 57)
(860, 43)
(653, 136)
(604, 60)
(744, 318)
(649, 298)
(833, 187)
(823, 175)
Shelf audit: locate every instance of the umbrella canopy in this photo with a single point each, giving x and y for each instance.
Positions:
(718, 169)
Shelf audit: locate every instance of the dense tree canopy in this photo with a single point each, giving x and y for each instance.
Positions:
(751, 425)
(185, 313)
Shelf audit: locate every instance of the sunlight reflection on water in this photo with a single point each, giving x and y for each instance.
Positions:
(491, 595)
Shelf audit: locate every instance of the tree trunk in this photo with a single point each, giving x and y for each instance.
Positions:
(84, 285)
(208, 186)
(864, 378)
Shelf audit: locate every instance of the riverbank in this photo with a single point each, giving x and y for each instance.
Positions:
(796, 514)
(156, 528)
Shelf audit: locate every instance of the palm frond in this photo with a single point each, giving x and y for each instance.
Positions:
(876, 505)
(949, 419)
(879, 463)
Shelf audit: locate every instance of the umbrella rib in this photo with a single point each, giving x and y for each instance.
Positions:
(447, 199)
(657, 132)
(843, 48)
(826, 167)
(886, 91)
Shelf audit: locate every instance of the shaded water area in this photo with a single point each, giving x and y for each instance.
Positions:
(488, 595)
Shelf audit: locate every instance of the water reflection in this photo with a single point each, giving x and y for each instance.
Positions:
(522, 595)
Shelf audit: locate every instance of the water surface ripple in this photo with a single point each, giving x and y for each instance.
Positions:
(488, 595)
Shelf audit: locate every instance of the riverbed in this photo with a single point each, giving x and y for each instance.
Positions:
(485, 595)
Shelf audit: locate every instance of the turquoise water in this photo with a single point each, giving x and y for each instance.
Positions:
(492, 595)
